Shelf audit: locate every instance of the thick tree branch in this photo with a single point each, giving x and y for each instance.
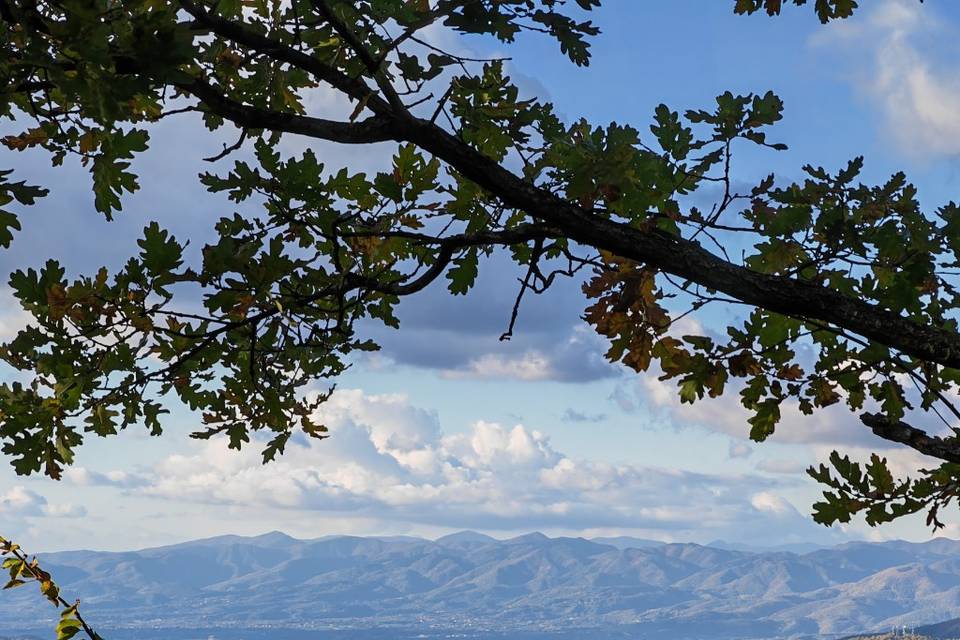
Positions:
(677, 256)
(373, 129)
(902, 433)
(687, 259)
(674, 255)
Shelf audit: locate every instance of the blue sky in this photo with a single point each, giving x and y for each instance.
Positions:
(447, 427)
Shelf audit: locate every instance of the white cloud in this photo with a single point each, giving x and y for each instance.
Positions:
(12, 316)
(835, 425)
(771, 503)
(389, 460)
(393, 421)
(532, 365)
(919, 95)
(20, 502)
(575, 357)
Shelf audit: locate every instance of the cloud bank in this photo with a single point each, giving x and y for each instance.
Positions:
(390, 460)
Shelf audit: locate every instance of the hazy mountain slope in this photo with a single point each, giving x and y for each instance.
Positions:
(941, 630)
(473, 582)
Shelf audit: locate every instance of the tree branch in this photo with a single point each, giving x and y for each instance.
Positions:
(373, 66)
(248, 37)
(373, 129)
(687, 259)
(43, 578)
(448, 246)
(902, 433)
(353, 281)
(674, 255)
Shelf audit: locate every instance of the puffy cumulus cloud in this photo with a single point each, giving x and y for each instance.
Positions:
(810, 439)
(393, 422)
(785, 524)
(918, 91)
(815, 436)
(388, 460)
(771, 503)
(835, 425)
(20, 502)
(902, 461)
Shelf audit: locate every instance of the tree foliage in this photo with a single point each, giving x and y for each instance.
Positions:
(851, 289)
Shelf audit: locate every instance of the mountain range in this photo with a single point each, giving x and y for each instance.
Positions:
(468, 585)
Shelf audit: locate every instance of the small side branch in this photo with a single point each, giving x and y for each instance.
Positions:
(227, 150)
(373, 66)
(243, 34)
(524, 285)
(24, 569)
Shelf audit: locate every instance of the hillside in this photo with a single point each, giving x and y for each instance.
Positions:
(531, 584)
(947, 630)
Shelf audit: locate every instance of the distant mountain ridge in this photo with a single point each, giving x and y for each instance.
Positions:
(472, 583)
